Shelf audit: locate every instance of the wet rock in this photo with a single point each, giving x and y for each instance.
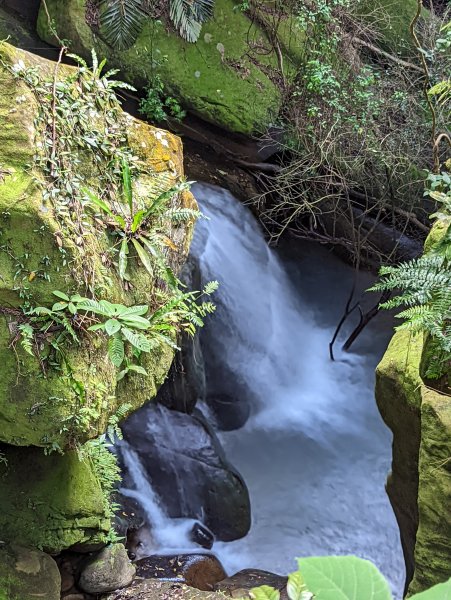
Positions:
(74, 597)
(201, 571)
(24, 571)
(156, 589)
(109, 570)
(230, 412)
(238, 585)
(188, 469)
(202, 535)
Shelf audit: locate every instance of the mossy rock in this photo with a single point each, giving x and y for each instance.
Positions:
(391, 19)
(419, 486)
(215, 78)
(38, 405)
(51, 502)
(28, 574)
(156, 589)
(231, 76)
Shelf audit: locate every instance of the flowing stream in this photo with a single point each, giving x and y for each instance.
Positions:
(315, 452)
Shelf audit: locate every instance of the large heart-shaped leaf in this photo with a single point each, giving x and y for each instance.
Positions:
(442, 591)
(343, 578)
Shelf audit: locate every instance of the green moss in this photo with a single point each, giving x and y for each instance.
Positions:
(391, 20)
(214, 77)
(40, 405)
(50, 502)
(25, 574)
(420, 483)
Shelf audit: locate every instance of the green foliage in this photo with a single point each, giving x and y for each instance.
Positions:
(341, 578)
(157, 106)
(124, 326)
(425, 284)
(188, 16)
(121, 21)
(141, 226)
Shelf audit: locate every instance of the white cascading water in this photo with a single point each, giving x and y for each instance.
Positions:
(167, 536)
(315, 452)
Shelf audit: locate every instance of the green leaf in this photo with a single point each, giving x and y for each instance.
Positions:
(138, 219)
(343, 578)
(442, 591)
(137, 340)
(96, 327)
(123, 258)
(59, 306)
(121, 21)
(61, 295)
(296, 588)
(144, 257)
(265, 592)
(127, 184)
(98, 201)
(135, 321)
(166, 271)
(112, 326)
(116, 350)
(138, 309)
(138, 369)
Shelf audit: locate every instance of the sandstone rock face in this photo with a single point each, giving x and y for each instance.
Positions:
(419, 486)
(108, 570)
(39, 408)
(27, 574)
(52, 502)
(181, 448)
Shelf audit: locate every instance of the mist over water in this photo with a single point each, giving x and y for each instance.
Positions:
(315, 452)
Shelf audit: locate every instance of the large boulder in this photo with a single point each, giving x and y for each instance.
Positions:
(51, 502)
(107, 571)
(57, 407)
(232, 76)
(419, 486)
(27, 574)
(174, 447)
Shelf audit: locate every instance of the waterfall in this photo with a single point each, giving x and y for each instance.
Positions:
(166, 536)
(315, 452)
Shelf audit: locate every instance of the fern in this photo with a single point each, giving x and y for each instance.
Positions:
(425, 295)
(188, 16)
(121, 21)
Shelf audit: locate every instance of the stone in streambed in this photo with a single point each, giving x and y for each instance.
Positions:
(200, 571)
(109, 570)
(240, 584)
(24, 572)
(156, 589)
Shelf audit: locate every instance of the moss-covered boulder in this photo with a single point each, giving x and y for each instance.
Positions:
(419, 485)
(45, 406)
(27, 574)
(52, 502)
(231, 77)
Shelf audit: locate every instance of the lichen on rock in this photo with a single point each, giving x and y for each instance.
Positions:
(419, 485)
(38, 405)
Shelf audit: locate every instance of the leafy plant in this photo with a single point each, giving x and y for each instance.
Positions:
(121, 21)
(343, 577)
(188, 16)
(157, 106)
(140, 226)
(425, 284)
(121, 324)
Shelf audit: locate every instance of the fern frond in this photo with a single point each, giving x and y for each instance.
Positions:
(121, 21)
(188, 16)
